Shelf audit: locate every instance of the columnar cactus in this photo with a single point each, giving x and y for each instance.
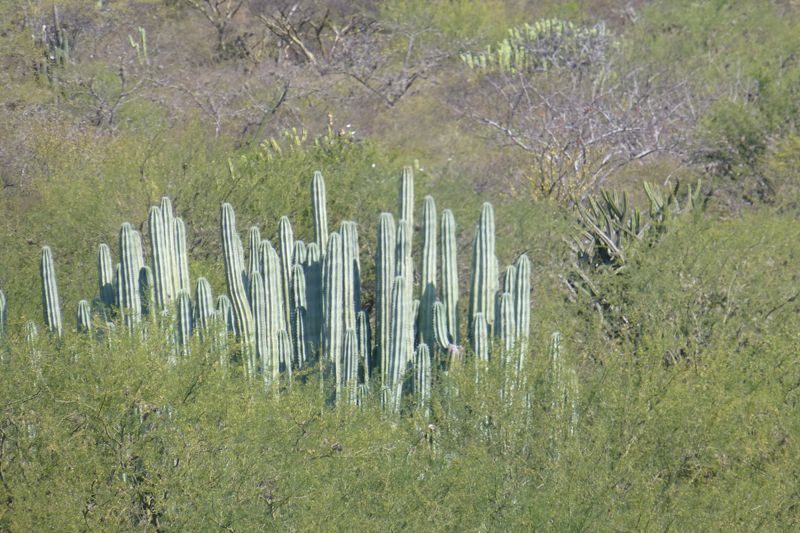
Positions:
(168, 219)
(50, 302)
(422, 377)
(253, 244)
(299, 253)
(406, 201)
(480, 342)
(147, 295)
(404, 268)
(522, 308)
(319, 206)
(484, 271)
(234, 275)
(204, 312)
(3, 314)
(183, 311)
(313, 270)
(428, 272)
(276, 314)
(182, 256)
(350, 280)
(258, 303)
(450, 276)
(349, 383)
(162, 266)
(84, 317)
(283, 356)
(105, 271)
(286, 262)
(364, 344)
(333, 303)
(298, 311)
(130, 255)
(384, 282)
(400, 344)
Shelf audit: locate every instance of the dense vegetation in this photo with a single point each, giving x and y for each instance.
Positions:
(676, 303)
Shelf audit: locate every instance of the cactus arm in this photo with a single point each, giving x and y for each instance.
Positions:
(450, 276)
(384, 281)
(184, 315)
(318, 205)
(105, 274)
(50, 302)
(182, 255)
(428, 272)
(84, 317)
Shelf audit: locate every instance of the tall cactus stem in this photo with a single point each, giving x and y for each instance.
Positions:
(130, 256)
(313, 270)
(234, 275)
(428, 273)
(319, 206)
(400, 349)
(182, 256)
(84, 317)
(203, 317)
(450, 293)
(384, 282)
(333, 303)
(50, 302)
(286, 262)
(162, 266)
(484, 282)
(184, 315)
(105, 274)
(298, 308)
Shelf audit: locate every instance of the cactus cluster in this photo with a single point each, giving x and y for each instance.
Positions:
(292, 307)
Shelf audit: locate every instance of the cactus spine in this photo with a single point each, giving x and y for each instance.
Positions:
(428, 271)
(384, 282)
(319, 206)
(50, 303)
(234, 275)
(484, 272)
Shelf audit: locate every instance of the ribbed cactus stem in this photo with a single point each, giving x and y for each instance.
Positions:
(404, 268)
(365, 345)
(333, 305)
(168, 219)
(286, 262)
(509, 279)
(234, 274)
(130, 255)
(485, 279)
(203, 317)
(50, 302)
(422, 377)
(253, 244)
(224, 319)
(183, 311)
(406, 201)
(313, 270)
(522, 308)
(299, 253)
(319, 207)
(162, 267)
(258, 303)
(298, 307)
(182, 255)
(440, 326)
(384, 282)
(84, 317)
(3, 314)
(399, 345)
(349, 384)
(428, 273)
(349, 273)
(147, 294)
(283, 355)
(481, 341)
(273, 287)
(105, 274)
(450, 292)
